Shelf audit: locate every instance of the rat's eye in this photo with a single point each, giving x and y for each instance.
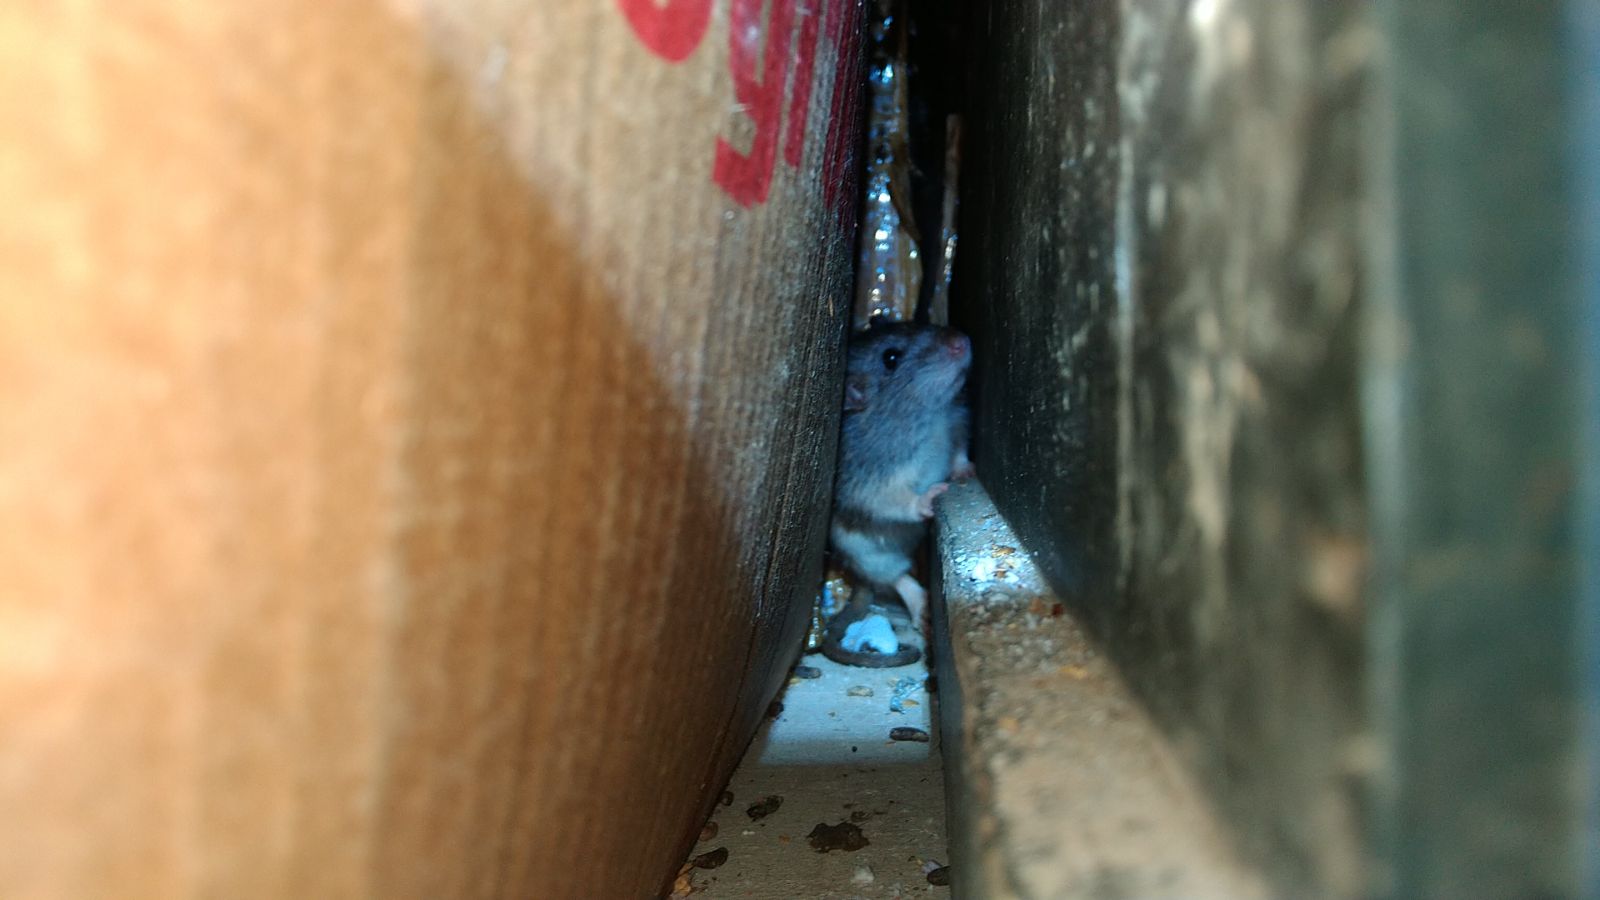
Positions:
(891, 358)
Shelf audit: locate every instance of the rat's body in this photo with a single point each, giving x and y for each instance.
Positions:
(904, 437)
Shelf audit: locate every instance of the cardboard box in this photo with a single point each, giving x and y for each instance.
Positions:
(418, 429)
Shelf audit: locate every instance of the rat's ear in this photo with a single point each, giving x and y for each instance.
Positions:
(855, 392)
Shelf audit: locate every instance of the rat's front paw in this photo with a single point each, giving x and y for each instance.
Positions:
(962, 469)
(925, 502)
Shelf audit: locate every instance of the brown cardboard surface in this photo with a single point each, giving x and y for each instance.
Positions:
(412, 437)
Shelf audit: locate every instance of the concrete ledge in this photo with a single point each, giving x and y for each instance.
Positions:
(1058, 784)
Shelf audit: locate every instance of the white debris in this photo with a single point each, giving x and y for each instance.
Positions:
(873, 632)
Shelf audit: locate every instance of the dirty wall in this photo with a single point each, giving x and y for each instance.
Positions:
(1161, 268)
(1285, 342)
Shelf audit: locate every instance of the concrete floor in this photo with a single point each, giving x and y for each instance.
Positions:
(828, 755)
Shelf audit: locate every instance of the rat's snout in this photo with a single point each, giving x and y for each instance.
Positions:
(957, 345)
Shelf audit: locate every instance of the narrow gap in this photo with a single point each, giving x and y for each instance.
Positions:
(841, 793)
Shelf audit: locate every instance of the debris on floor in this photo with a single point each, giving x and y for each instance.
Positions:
(872, 634)
(764, 807)
(683, 885)
(844, 836)
(902, 692)
(711, 859)
(833, 811)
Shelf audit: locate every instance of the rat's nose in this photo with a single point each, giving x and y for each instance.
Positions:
(957, 345)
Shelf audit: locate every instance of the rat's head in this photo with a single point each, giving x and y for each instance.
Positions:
(906, 363)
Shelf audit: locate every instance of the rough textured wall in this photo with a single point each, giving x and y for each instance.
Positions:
(416, 421)
(1160, 266)
(1483, 404)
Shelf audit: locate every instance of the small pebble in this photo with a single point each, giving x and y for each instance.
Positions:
(908, 734)
(709, 831)
(807, 672)
(859, 690)
(775, 709)
(764, 807)
(726, 799)
(939, 876)
(863, 875)
(713, 858)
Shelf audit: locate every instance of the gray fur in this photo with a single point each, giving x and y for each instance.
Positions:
(904, 432)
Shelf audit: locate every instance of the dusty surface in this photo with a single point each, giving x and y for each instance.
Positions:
(828, 755)
(1065, 788)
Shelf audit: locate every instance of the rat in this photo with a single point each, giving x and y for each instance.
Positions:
(903, 439)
